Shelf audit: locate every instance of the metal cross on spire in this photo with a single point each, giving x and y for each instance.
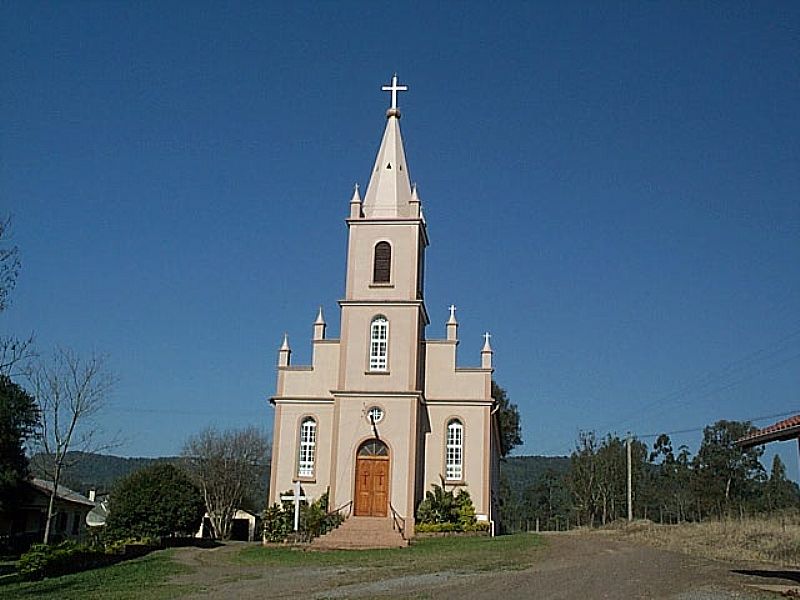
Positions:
(486, 337)
(394, 88)
(452, 311)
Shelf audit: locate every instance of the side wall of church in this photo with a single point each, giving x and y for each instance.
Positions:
(476, 450)
(286, 445)
(465, 395)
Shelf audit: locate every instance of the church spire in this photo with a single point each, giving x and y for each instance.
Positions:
(389, 191)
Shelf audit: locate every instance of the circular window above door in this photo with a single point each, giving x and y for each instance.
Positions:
(375, 414)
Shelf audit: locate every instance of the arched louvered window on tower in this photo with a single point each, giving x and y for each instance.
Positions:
(379, 344)
(308, 448)
(454, 451)
(382, 265)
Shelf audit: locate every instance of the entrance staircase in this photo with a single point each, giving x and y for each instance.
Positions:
(361, 533)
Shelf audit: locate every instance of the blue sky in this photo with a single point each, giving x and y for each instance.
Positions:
(612, 189)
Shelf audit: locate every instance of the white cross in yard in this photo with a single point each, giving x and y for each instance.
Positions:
(296, 498)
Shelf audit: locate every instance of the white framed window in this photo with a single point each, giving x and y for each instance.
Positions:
(378, 344)
(454, 451)
(308, 447)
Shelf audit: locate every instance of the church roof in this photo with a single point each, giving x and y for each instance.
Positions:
(389, 190)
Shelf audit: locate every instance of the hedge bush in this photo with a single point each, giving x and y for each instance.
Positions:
(67, 557)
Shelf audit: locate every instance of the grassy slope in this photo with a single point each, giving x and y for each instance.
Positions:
(140, 578)
(774, 539)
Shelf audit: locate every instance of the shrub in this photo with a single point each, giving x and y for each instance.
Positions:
(443, 511)
(157, 501)
(67, 557)
(314, 519)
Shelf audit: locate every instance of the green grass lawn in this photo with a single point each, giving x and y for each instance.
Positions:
(146, 577)
(140, 578)
(423, 556)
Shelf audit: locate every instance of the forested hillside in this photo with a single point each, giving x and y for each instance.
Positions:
(669, 484)
(86, 471)
(99, 472)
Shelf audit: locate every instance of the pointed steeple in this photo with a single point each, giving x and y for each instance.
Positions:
(355, 204)
(389, 191)
(319, 326)
(284, 353)
(452, 324)
(486, 352)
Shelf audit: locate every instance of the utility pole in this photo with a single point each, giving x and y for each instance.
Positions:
(630, 487)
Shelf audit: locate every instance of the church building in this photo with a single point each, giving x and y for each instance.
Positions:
(383, 412)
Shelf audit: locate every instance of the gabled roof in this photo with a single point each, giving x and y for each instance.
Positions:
(63, 493)
(787, 429)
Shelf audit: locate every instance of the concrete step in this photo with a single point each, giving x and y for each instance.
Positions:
(362, 533)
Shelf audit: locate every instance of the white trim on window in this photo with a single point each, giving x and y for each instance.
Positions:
(454, 451)
(308, 447)
(379, 344)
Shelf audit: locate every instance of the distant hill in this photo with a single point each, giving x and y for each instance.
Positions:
(523, 471)
(100, 472)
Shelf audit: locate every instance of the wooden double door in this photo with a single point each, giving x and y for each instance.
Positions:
(372, 480)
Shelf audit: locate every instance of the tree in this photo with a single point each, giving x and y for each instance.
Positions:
(13, 351)
(9, 264)
(227, 466)
(19, 419)
(508, 420)
(582, 477)
(723, 472)
(70, 391)
(156, 501)
(779, 492)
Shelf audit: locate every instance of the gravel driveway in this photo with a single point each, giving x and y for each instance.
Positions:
(572, 566)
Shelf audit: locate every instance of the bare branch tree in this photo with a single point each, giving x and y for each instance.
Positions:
(70, 391)
(9, 264)
(14, 353)
(227, 466)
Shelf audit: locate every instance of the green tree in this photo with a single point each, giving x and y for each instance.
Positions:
(19, 419)
(155, 501)
(582, 477)
(724, 474)
(780, 493)
(508, 420)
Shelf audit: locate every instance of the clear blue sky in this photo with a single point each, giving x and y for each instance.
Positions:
(612, 189)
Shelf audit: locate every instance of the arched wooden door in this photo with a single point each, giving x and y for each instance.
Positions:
(372, 480)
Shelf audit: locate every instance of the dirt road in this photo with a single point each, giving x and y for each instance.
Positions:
(572, 566)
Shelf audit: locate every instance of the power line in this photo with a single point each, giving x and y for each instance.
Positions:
(741, 366)
(698, 429)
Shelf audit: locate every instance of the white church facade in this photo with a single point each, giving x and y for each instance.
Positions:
(383, 413)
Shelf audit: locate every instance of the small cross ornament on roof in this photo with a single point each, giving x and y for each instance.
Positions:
(394, 88)
(452, 311)
(486, 337)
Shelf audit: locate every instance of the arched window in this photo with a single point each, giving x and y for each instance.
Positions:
(378, 344)
(382, 266)
(308, 447)
(454, 451)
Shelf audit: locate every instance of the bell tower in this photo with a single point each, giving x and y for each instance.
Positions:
(383, 312)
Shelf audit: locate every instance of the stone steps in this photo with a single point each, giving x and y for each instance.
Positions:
(361, 533)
